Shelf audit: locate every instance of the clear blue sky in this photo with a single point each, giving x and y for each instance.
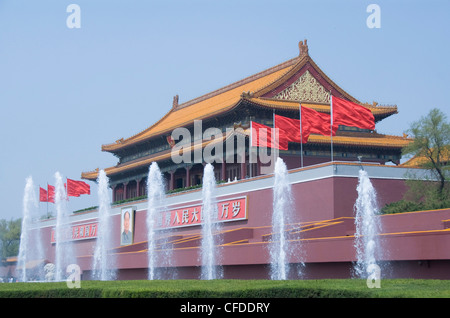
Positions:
(65, 92)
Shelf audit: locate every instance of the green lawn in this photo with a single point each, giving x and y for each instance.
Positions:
(330, 288)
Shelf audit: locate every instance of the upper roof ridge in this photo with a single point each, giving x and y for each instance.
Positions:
(238, 83)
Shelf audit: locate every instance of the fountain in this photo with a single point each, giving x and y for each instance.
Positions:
(30, 247)
(367, 226)
(156, 206)
(63, 236)
(210, 249)
(103, 263)
(279, 248)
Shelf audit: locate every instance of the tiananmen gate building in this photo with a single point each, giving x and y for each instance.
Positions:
(324, 191)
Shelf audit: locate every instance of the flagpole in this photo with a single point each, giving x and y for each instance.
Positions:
(301, 134)
(250, 148)
(276, 138)
(47, 200)
(66, 197)
(331, 125)
(39, 191)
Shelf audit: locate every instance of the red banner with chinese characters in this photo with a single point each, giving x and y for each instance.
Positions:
(227, 210)
(77, 232)
(234, 209)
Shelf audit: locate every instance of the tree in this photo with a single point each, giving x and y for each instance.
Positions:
(431, 145)
(10, 237)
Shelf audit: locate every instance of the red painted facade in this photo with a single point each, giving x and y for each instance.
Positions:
(416, 243)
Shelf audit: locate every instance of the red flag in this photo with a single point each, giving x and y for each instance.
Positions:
(351, 114)
(43, 195)
(76, 188)
(313, 122)
(316, 122)
(289, 129)
(262, 136)
(51, 193)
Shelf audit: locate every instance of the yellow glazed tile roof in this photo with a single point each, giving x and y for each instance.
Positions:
(252, 89)
(384, 141)
(421, 160)
(378, 140)
(146, 161)
(293, 105)
(207, 105)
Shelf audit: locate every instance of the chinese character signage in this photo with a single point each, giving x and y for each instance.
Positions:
(227, 210)
(77, 232)
(234, 209)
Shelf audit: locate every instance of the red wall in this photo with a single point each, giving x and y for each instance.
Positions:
(315, 200)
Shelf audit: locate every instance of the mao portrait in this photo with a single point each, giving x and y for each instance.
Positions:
(127, 226)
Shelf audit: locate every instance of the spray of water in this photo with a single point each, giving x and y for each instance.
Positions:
(282, 213)
(367, 225)
(210, 250)
(104, 263)
(64, 254)
(155, 209)
(30, 247)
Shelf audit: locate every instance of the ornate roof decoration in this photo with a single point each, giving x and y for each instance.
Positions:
(302, 48)
(306, 89)
(175, 101)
